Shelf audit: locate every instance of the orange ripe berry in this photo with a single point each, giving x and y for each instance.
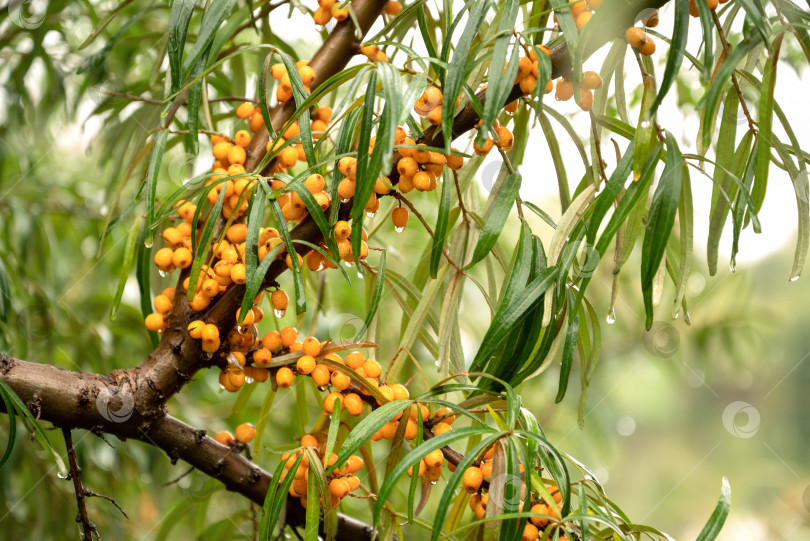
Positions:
(329, 402)
(594, 4)
(372, 368)
(245, 433)
(236, 154)
(322, 15)
(407, 167)
(238, 273)
(241, 138)
(307, 74)
(221, 150)
(279, 300)
(355, 360)
(484, 150)
(172, 236)
(311, 346)
(339, 488)
(565, 90)
(289, 261)
(262, 356)
(399, 392)
(284, 377)
(583, 19)
(343, 230)
(530, 532)
(527, 84)
(237, 233)
(651, 21)
(421, 181)
(318, 128)
(340, 381)
(224, 438)
(340, 13)
(256, 121)
(505, 138)
(288, 157)
(163, 304)
(305, 365)
(195, 329)
(542, 509)
(421, 471)
(155, 322)
(288, 336)
(393, 8)
(210, 333)
(244, 111)
(648, 48)
(320, 375)
(435, 116)
(421, 155)
(434, 458)
(577, 9)
(486, 468)
(591, 80)
(635, 37)
(324, 113)
(278, 70)
(248, 320)
(163, 258)
(441, 428)
(353, 404)
(585, 100)
(454, 162)
(283, 93)
(407, 152)
(512, 106)
(399, 216)
(272, 340)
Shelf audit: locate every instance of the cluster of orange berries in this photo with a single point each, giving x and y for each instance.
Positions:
(373, 52)
(582, 12)
(473, 482)
(638, 39)
(334, 9)
(504, 141)
(284, 91)
(590, 81)
(288, 154)
(695, 12)
(341, 482)
(419, 167)
(243, 435)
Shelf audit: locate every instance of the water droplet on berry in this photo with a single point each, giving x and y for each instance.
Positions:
(371, 214)
(279, 313)
(399, 229)
(163, 273)
(207, 356)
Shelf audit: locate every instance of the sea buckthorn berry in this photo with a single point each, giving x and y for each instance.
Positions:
(441, 428)
(284, 377)
(237, 233)
(307, 74)
(339, 488)
(421, 181)
(594, 4)
(155, 322)
(505, 138)
(635, 37)
(486, 469)
(542, 509)
(210, 287)
(172, 236)
(221, 150)
(288, 336)
(400, 391)
(163, 258)
(407, 167)
(308, 440)
(329, 402)
(246, 319)
(289, 261)
(446, 414)
(565, 90)
(512, 107)
(340, 13)
(372, 368)
(283, 93)
(245, 433)
(236, 154)
(585, 100)
(484, 149)
(311, 346)
(305, 365)
(530, 532)
(314, 183)
(279, 300)
(225, 438)
(355, 360)
(272, 340)
(163, 304)
(578, 8)
(421, 155)
(434, 458)
(241, 138)
(244, 111)
(238, 273)
(340, 381)
(528, 83)
(256, 121)
(583, 19)
(318, 128)
(405, 184)
(454, 162)
(288, 157)
(393, 8)
(435, 116)
(343, 230)
(410, 430)
(651, 21)
(320, 375)
(407, 152)
(421, 471)
(210, 346)
(648, 48)
(399, 216)
(209, 333)
(324, 113)
(195, 329)
(262, 356)
(322, 15)
(591, 80)
(353, 404)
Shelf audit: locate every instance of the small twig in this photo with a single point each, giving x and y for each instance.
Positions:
(90, 494)
(460, 199)
(75, 473)
(734, 81)
(179, 477)
(598, 146)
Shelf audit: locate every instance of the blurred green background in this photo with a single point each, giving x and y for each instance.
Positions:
(670, 411)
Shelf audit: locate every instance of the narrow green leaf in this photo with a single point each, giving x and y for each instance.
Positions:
(126, 265)
(151, 182)
(568, 357)
(707, 27)
(298, 277)
(179, 18)
(193, 103)
(497, 218)
(765, 125)
(680, 32)
(718, 517)
(217, 12)
(201, 248)
(442, 222)
(276, 496)
(302, 112)
(686, 223)
(379, 283)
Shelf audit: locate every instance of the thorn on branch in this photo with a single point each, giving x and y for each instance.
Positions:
(88, 527)
(90, 494)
